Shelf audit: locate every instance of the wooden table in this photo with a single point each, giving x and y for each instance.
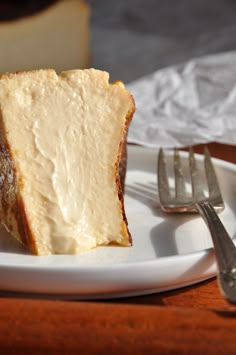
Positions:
(191, 320)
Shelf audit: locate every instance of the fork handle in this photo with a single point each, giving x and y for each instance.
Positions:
(225, 250)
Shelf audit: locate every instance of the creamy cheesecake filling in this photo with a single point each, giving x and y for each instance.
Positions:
(63, 131)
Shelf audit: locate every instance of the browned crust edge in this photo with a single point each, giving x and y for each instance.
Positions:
(128, 119)
(13, 214)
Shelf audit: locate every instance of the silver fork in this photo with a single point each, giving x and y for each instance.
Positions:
(206, 206)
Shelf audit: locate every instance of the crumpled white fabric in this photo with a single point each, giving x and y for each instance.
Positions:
(187, 104)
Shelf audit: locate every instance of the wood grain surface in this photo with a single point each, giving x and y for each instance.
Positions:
(32, 326)
(191, 320)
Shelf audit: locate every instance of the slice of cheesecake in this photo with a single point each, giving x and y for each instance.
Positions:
(61, 138)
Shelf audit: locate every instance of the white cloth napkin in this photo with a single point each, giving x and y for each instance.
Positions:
(187, 104)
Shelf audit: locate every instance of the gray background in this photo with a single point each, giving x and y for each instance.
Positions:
(131, 38)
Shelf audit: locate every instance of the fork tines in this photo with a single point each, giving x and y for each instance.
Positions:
(181, 201)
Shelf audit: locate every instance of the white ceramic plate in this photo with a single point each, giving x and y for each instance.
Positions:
(168, 251)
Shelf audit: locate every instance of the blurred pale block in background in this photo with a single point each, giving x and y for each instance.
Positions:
(56, 37)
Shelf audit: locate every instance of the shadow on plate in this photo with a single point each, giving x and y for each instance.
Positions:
(163, 235)
(8, 244)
